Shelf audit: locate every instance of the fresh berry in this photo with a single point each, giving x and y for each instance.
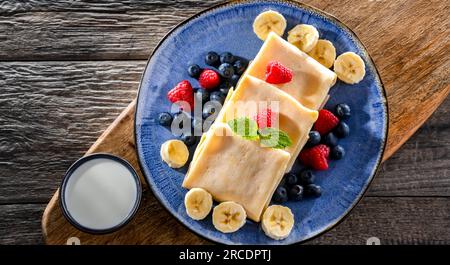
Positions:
(224, 91)
(280, 195)
(212, 58)
(202, 95)
(188, 139)
(165, 119)
(197, 125)
(182, 92)
(316, 157)
(296, 168)
(295, 193)
(342, 110)
(264, 118)
(217, 96)
(194, 71)
(337, 152)
(234, 80)
(209, 79)
(314, 139)
(283, 181)
(240, 66)
(276, 73)
(180, 119)
(226, 70)
(330, 139)
(326, 122)
(306, 177)
(313, 190)
(342, 130)
(291, 179)
(209, 109)
(227, 57)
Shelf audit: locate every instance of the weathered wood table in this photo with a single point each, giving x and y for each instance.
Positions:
(68, 68)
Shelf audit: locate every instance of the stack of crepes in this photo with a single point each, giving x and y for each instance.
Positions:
(232, 168)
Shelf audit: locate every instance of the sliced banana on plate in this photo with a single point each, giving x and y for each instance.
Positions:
(277, 222)
(198, 203)
(350, 68)
(228, 217)
(324, 52)
(269, 21)
(304, 37)
(175, 153)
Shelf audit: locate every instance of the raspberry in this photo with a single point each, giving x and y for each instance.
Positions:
(315, 157)
(209, 79)
(326, 122)
(276, 73)
(182, 92)
(264, 118)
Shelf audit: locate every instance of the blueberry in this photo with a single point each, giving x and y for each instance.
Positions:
(342, 130)
(226, 70)
(337, 152)
(314, 139)
(342, 110)
(208, 110)
(235, 79)
(202, 95)
(296, 168)
(217, 96)
(197, 125)
(295, 193)
(212, 58)
(188, 139)
(330, 139)
(280, 195)
(282, 182)
(194, 71)
(224, 91)
(313, 190)
(240, 66)
(306, 177)
(227, 57)
(165, 119)
(180, 118)
(291, 179)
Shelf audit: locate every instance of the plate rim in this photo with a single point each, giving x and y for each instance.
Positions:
(301, 5)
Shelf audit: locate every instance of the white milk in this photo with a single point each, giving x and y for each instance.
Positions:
(100, 193)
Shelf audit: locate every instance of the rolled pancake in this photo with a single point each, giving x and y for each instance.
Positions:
(311, 81)
(232, 168)
(294, 119)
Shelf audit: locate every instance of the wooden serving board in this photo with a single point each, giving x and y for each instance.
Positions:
(394, 38)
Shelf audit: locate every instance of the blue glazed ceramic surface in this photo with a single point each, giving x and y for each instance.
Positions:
(229, 28)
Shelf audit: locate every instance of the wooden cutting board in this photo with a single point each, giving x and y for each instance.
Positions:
(393, 33)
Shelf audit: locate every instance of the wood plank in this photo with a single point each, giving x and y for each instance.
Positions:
(20, 224)
(70, 104)
(428, 222)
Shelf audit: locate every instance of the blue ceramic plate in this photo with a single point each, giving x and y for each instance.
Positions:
(228, 27)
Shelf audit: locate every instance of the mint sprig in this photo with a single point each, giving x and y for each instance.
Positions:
(269, 137)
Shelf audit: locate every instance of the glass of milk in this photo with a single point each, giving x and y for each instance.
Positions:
(100, 193)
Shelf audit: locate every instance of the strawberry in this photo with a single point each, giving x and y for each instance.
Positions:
(182, 92)
(264, 118)
(209, 79)
(315, 157)
(276, 73)
(326, 122)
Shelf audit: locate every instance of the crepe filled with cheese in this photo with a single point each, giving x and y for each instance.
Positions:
(232, 168)
(311, 81)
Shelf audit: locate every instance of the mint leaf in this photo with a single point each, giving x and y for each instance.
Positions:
(245, 127)
(272, 137)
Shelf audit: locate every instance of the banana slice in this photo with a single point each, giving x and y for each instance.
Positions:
(198, 203)
(277, 222)
(324, 52)
(175, 153)
(269, 21)
(228, 217)
(350, 68)
(304, 37)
